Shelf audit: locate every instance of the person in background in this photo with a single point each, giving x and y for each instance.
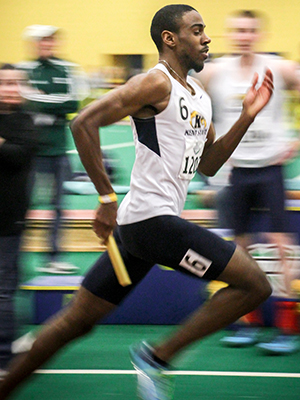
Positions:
(60, 85)
(18, 144)
(171, 121)
(256, 167)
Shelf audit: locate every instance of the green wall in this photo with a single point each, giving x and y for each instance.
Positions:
(96, 28)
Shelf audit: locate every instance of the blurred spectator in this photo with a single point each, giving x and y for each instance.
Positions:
(18, 142)
(256, 172)
(60, 85)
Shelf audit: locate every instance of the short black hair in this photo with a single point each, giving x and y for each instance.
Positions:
(167, 18)
(7, 66)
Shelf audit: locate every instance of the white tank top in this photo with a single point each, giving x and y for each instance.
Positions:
(266, 139)
(168, 150)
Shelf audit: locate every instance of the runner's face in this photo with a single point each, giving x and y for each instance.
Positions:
(193, 41)
(244, 33)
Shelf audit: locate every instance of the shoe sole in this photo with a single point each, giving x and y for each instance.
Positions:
(55, 271)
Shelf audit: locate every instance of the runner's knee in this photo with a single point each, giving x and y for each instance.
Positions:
(243, 271)
(263, 289)
(84, 312)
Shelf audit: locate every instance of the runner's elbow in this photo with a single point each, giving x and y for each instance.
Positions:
(207, 170)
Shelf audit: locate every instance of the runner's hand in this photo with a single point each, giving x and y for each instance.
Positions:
(105, 220)
(257, 98)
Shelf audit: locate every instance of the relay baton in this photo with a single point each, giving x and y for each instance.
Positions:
(117, 262)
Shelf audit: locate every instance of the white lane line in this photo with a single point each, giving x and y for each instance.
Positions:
(85, 371)
(180, 373)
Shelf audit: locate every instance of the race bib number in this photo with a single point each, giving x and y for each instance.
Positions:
(195, 263)
(191, 158)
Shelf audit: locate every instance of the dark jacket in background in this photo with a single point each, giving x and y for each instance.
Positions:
(16, 155)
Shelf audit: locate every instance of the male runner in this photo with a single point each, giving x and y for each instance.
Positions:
(171, 122)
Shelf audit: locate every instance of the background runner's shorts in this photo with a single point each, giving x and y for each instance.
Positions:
(257, 188)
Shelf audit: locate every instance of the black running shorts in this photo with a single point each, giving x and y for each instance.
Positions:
(166, 240)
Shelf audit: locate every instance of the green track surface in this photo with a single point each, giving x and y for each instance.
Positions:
(106, 348)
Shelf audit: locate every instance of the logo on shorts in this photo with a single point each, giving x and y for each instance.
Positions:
(195, 263)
